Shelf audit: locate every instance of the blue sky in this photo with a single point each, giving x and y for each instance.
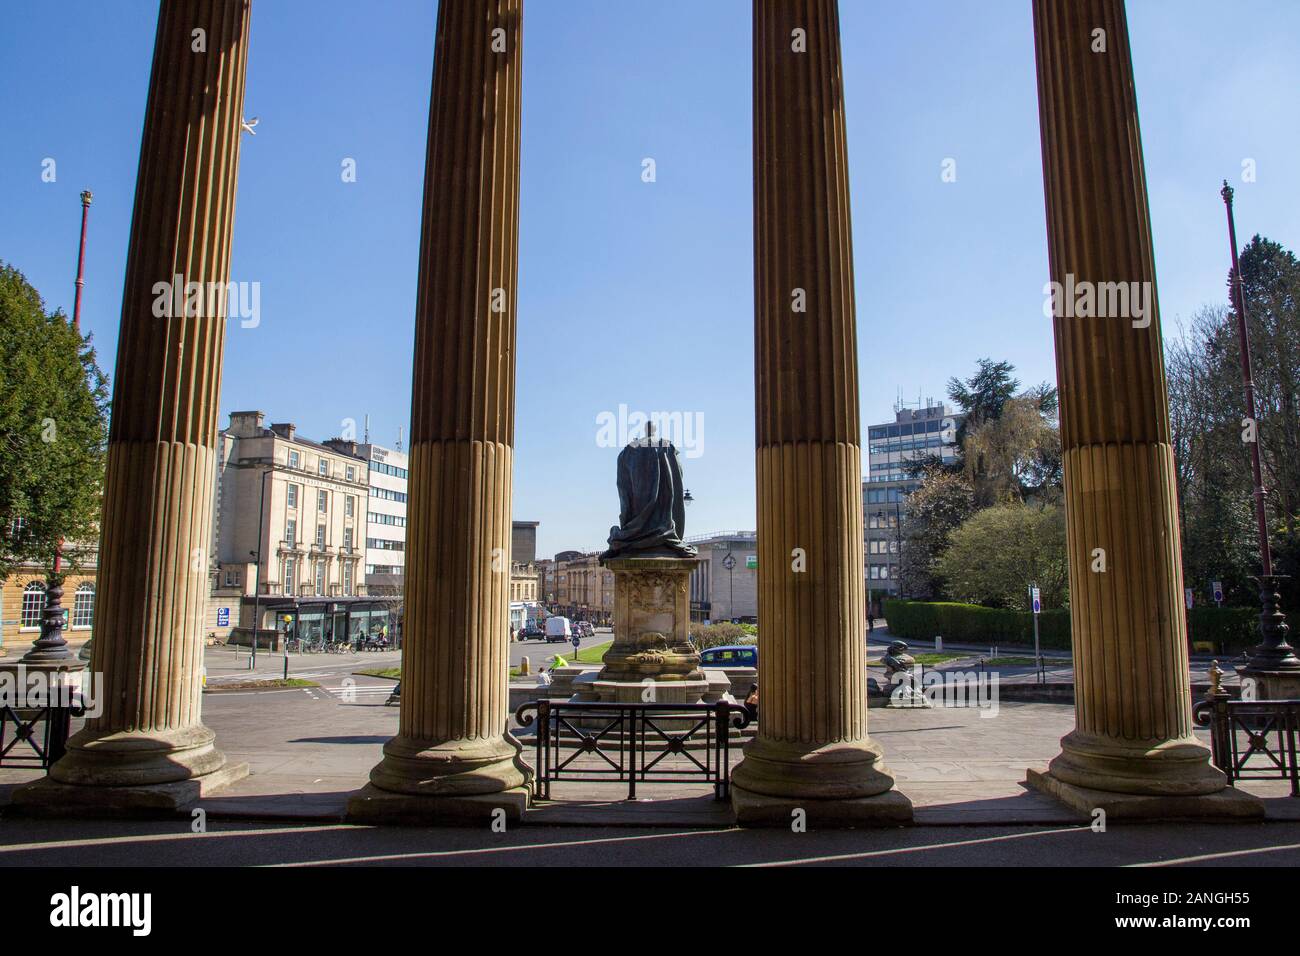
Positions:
(630, 292)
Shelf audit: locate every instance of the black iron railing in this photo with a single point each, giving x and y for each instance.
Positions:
(35, 736)
(1256, 739)
(633, 743)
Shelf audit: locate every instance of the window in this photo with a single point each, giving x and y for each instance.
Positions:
(33, 605)
(322, 500)
(350, 505)
(291, 531)
(347, 538)
(320, 577)
(83, 606)
(347, 577)
(294, 460)
(320, 536)
(352, 473)
(289, 568)
(293, 495)
(388, 494)
(324, 466)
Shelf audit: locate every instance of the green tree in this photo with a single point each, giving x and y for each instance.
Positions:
(933, 512)
(53, 430)
(998, 552)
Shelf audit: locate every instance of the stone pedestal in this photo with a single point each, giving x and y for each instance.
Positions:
(652, 659)
(1133, 750)
(149, 747)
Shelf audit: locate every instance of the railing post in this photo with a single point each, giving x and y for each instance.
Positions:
(544, 747)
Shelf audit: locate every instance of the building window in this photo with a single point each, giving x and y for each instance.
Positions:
(350, 505)
(288, 575)
(347, 538)
(83, 606)
(291, 531)
(293, 495)
(320, 577)
(324, 467)
(347, 577)
(293, 459)
(33, 605)
(352, 473)
(322, 500)
(320, 536)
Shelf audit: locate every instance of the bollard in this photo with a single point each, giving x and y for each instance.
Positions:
(523, 667)
(938, 644)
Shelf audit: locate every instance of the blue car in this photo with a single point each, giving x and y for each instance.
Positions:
(730, 655)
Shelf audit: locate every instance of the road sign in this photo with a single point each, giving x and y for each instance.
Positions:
(1217, 587)
(1187, 596)
(223, 617)
(575, 641)
(751, 561)
(729, 561)
(1037, 601)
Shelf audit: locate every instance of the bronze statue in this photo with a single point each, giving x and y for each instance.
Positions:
(652, 512)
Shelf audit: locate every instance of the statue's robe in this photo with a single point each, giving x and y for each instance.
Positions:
(652, 511)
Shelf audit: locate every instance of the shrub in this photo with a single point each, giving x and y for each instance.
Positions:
(715, 635)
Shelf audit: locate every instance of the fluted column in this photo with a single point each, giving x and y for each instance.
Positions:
(1133, 733)
(452, 740)
(812, 749)
(158, 493)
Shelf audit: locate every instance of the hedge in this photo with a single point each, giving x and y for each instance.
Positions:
(972, 624)
(1230, 629)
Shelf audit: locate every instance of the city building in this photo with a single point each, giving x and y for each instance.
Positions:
(926, 431)
(385, 520)
(523, 542)
(299, 508)
(724, 585)
(576, 585)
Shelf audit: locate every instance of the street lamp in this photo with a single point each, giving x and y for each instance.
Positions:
(729, 562)
(257, 568)
(1273, 653)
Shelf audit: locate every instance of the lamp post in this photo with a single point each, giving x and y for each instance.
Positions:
(51, 646)
(1273, 660)
(257, 568)
(729, 562)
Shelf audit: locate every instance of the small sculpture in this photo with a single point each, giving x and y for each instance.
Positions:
(897, 660)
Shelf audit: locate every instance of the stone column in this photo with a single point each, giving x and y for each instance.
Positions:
(1132, 752)
(812, 750)
(149, 747)
(452, 756)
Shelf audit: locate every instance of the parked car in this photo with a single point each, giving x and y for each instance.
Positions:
(558, 629)
(730, 655)
(532, 632)
(584, 629)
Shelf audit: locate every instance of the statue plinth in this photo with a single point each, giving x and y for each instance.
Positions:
(652, 659)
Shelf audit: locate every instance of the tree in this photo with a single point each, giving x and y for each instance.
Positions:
(1206, 419)
(934, 511)
(1009, 443)
(53, 430)
(998, 552)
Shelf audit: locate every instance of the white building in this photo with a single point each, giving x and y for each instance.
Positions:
(386, 519)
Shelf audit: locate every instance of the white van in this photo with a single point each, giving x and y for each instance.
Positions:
(558, 629)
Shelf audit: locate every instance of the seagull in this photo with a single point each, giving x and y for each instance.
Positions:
(248, 125)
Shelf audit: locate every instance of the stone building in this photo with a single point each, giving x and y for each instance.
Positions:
(298, 505)
(22, 604)
(724, 584)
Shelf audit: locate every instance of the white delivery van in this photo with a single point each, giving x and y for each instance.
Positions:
(558, 629)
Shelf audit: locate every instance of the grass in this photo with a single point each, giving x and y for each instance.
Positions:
(931, 658)
(392, 673)
(267, 684)
(593, 654)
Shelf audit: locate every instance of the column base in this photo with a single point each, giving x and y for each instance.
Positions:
(1226, 805)
(451, 768)
(138, 758)
(1179, 767)
(1273, 684)
(50, 798)
(800, 771)
(371, 805)
(890, 809)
